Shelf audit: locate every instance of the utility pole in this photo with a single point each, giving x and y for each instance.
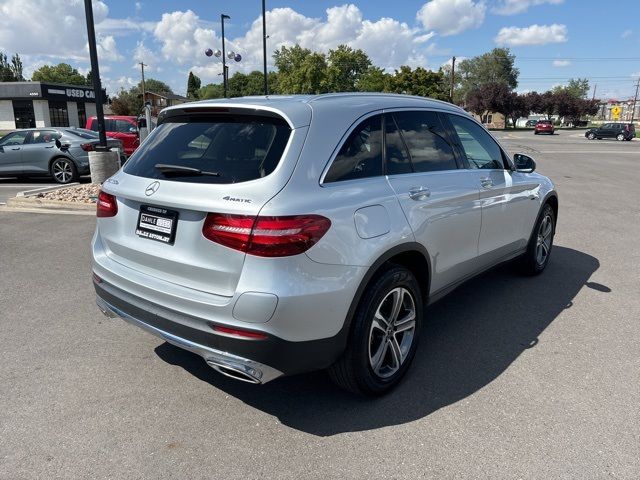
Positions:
(264, 48)
(144, 93)
(224, 55)
(95, 73)
(453, 76)
(594, 91)
(635, 100)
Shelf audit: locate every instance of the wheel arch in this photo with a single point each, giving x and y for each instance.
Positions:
(66, 157)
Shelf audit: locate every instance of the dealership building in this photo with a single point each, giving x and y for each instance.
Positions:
(39, 104)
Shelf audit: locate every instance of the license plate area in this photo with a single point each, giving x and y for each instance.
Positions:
(157, 223)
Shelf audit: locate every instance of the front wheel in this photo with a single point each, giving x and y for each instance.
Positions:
(536, 258)
(384, 335)
(620, 137)
(591, 136)
(63, 170)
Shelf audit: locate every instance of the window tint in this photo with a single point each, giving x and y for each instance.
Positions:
(478, 146)
(44, 136)
(361, 155)
(426, 140)
(397, 157)
(16, 138)
(238, 148)
(94, 125)
(122, 126)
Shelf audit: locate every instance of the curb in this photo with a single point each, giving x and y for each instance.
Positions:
(35, 191)
(28, 202)
(46, 211)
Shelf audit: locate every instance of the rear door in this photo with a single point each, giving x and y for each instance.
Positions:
(11, 152)
(38, 150)
(439, 200)
(505, 196)
(158, 228)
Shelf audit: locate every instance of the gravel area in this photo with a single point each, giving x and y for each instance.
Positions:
(86, 193)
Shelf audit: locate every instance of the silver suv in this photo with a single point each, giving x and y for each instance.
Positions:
(280, 235)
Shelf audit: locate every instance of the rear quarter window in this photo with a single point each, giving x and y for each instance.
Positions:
(238, 148)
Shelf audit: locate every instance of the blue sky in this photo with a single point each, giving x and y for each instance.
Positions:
(553, 40)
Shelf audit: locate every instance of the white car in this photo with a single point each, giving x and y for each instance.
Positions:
(280, 235)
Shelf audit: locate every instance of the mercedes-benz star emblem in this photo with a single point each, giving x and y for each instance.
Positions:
(152, 188)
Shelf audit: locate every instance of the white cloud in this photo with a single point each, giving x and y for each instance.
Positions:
(143, 54)
(113, 86)
(532, 35)
(512, 7)
(52, 28)
(450, 17)
(388, 42)
(561, 63)
(626, 34)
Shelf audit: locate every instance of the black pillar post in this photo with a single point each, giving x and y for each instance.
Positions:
(95, 73)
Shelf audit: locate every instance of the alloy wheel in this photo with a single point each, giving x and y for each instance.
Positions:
(543, 243)
(392, 332)
(62, 171)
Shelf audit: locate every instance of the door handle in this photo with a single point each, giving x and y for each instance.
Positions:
(50, 146)
(419, 193)
(486, 182)
(16, 148)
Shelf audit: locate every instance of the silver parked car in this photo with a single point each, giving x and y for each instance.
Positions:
(59, 152)
(274, 236)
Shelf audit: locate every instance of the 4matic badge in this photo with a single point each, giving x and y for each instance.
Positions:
(235, 199)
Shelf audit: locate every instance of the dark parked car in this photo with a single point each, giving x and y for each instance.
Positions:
(62, 153)
(531, 123)
(619, 131)
(544, 126)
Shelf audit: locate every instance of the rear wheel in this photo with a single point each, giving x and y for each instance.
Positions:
(591, 136)
(384, 335)
(620, 137)
(63, 170)
(540, 244)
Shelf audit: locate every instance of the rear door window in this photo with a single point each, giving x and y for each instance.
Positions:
(237, 148)
(361, 154)
(122, 126)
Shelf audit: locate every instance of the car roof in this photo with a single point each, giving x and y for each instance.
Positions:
(297, 109)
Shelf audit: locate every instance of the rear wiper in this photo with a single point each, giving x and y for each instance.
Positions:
(181, 170)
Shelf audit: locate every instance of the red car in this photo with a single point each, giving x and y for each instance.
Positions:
(544, 126)
(122, 127)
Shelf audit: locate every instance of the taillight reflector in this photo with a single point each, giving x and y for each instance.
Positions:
(266, 236)
(240, 333)
(107, 206)
(87, 147)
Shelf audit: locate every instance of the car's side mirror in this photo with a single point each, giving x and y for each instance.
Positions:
(133, 130)
(1, 149)
(524, 163)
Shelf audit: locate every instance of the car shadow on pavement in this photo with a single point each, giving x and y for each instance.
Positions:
(470, 338)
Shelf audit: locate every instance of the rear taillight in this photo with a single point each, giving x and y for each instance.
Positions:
(87, 147)
(266, 236)
(107, 205)
(236, 332)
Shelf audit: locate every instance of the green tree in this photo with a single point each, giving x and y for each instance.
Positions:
(345, 67)
(211, 90)
(193, 84)
(155, 86)
(373, 80)
(419, 81)
(577, 87)
(60, 73)
(10, 71)
(300, 70)
(127, 102)
(496, 66)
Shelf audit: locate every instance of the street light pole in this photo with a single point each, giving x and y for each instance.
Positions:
(95, 73)
(264, 48)
(635, 101)
(224, 56)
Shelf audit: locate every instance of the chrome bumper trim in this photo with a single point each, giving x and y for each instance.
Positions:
(225, 363)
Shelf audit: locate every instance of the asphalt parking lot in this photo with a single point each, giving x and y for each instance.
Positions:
(514, 378)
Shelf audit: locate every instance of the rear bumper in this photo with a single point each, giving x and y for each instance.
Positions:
(255, 361)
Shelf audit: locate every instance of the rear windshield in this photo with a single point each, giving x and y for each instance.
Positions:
(236, 148)
(82, 133)
(544, 122)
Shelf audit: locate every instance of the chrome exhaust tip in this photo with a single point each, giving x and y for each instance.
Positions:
(237, 371)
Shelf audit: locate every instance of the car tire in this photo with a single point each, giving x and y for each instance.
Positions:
(535, 133)
(536, 258)
(591, 136)
(620, 137)
(63, 170)
(384, 335)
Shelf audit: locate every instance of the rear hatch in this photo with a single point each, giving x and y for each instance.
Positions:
(238, 162)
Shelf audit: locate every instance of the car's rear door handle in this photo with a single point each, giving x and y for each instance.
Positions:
(419, 193)
(486, 182)
(16, 148)
(50, 146)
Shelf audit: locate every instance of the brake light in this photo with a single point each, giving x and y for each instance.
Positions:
(107, 205)
(266, 236)
(87, 147)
